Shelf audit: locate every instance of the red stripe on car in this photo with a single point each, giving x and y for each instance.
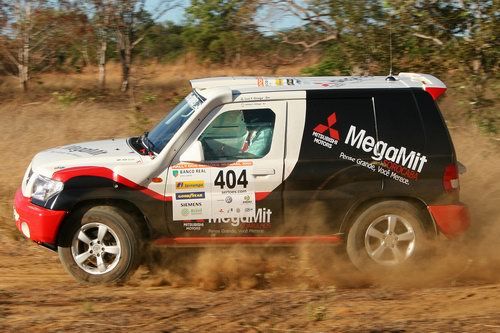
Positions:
(86, 171)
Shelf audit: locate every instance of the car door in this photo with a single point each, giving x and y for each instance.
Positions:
(332, 174)
(231, 185)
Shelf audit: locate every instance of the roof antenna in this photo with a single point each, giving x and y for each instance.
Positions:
(390, 78)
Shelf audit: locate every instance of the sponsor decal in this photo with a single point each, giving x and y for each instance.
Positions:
(381, 150)
(379, 167)
(196, 211)
(184, 172)
(398, 163)
(193, 226)
(277, 82)
(222, 188)
(247, 199)
(189, 184)
(191, 204)
(338, 82)
(80, 149)
(263, 215)
(191, 211)
(190, 195)
(324, 134)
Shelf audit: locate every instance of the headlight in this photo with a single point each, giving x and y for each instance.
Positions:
(45, 188)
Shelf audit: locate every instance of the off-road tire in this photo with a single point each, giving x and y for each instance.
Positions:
(362, 247)
(120, 225)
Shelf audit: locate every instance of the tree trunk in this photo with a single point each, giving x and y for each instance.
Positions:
(102, 63)
(85, 53)
(125, 60)
(23, 70)
(24, 51)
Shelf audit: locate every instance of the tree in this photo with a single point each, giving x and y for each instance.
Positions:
(459, 35)
(221, 30)
(17, 34)
(164, 41)
(36, 36)
(131, 23)
(101, 12)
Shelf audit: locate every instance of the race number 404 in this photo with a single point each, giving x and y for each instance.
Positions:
(230, 180)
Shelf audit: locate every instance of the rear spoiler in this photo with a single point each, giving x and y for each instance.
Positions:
(431, 84)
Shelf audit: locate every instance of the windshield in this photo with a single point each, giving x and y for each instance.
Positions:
(161, 135)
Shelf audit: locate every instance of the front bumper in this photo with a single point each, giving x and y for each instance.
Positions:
(451, 220)
(36, 223)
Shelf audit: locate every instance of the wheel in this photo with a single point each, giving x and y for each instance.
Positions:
(100, 245)
(388, 235)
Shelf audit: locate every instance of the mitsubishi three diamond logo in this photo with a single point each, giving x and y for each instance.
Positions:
(331, 120)
(324, 134)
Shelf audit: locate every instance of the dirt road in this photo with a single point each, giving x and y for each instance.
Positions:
(241, 290)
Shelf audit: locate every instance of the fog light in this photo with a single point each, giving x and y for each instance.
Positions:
(16, 215)
(25, 229)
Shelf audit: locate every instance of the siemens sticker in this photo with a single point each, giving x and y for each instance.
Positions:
(381, 150)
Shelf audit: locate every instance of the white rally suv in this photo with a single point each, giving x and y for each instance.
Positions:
(248, 160)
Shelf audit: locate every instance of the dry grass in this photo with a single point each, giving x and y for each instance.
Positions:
(298, 293)
(145, 77)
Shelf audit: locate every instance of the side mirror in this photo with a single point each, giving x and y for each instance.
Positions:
(194, 153)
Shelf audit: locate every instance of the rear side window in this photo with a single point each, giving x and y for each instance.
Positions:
(438, 138)
(398, 120)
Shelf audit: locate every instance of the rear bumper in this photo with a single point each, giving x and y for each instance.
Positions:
(451, 220)
(36, 223)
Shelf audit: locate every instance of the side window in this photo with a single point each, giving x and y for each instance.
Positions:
(398, 120)
(238, 134)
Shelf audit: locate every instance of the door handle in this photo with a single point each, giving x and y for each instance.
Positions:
(263, 172)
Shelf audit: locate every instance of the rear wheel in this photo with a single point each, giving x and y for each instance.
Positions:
(386, 236)
(101, 245)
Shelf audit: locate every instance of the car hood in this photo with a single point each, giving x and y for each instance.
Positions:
(95, 153)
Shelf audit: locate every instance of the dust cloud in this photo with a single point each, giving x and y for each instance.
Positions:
(474, 258)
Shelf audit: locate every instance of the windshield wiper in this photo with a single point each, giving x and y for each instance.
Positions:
(147, 143)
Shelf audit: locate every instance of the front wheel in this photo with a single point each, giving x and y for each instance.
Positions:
(100, 245)
(386, 236)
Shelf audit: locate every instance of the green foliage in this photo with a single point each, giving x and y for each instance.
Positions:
(316, 313)
(163, 42)
(335, 62)
(149, 97)
(488, 124)
(66, 98)
(220, 30)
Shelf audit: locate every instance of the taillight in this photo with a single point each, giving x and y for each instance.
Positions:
(450, 178)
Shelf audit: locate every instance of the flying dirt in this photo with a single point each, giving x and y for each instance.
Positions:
(306, 289)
